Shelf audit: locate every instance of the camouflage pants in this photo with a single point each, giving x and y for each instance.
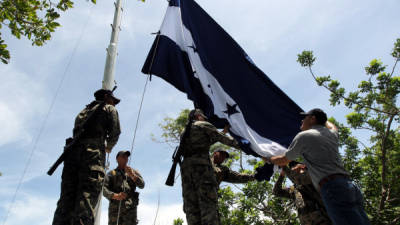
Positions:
(82, 179)
(126, 216)
(314, 218)
(199, 190)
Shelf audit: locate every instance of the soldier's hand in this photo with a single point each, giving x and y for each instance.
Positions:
(226, 128)
(119, 196)
(131, 173)
(123, 195)
(299, 168)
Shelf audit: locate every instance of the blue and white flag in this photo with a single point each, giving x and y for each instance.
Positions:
(194, 54)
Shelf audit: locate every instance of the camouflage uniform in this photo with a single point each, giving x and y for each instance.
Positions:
(307, 200)
(118, 181)
(199, 186)
(223, 173)
(83, 171)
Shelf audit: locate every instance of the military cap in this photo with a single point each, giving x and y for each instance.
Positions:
(222, 151)
(196, 112)
(99, 95)
(127, 153)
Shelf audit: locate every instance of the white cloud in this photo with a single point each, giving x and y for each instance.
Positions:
(22, 100)
(31, 209)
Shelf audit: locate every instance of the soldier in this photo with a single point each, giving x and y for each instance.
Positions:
(199, 186)
(223, 173)
(120, 189)
(83, 172)
(307, 200)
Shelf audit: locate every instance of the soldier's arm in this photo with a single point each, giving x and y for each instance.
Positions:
(279, 191)
(235, 177)
(106, 190)
(217, 136)
(115, 129)
(303, 178)
(139, 181)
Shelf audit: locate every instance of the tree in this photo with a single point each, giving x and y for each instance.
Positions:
(34, 19)
(250, 203)
(374, 108)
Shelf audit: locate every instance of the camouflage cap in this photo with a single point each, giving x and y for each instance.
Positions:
(99, 95)
(127, 153)
(197, 112)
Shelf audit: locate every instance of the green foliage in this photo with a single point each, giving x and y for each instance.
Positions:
(373, 108)
(396, 49)
(173, 127)
(306, 58)
(375, 67)
(178, 221)
(34, 19)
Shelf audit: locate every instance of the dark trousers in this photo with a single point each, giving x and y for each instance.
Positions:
(344, 202)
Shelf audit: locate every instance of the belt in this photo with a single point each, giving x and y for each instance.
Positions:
(332, 177)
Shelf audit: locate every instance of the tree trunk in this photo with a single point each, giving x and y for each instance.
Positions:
(384, 189)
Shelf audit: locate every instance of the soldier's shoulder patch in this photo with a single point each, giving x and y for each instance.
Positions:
(109, 108)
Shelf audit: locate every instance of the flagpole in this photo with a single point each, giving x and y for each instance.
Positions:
(109, 70)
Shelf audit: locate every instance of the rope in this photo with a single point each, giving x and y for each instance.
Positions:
(36, 140)
(143, 94)
(138, 116)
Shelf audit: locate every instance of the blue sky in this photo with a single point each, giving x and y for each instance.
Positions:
(344, 35)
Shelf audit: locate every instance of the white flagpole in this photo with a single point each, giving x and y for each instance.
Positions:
(109, 79)
(109, 70)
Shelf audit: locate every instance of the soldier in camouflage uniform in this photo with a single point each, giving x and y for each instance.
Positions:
(223, 173)
(120, 189)
(307, 200)
(199, 186)
(83, 172)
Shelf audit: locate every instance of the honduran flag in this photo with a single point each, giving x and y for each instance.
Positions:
(194, 54)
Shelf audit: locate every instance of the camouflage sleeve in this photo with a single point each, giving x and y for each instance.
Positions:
(217, 136)
(235, 177)
(281, 192)
(114, 129)
(303, 178)
(139, 182)
(106, 190)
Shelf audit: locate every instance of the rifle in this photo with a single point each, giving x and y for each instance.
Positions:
(176, 157)
(70, 142)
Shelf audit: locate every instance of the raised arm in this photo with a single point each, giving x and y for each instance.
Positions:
(217, 136)
(238, 178)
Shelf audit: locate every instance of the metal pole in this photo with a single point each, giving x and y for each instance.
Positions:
(109, 70)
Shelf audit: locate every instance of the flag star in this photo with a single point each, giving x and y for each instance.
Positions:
(231, 109)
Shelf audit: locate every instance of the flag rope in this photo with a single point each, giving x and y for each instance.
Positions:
(137, 120)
